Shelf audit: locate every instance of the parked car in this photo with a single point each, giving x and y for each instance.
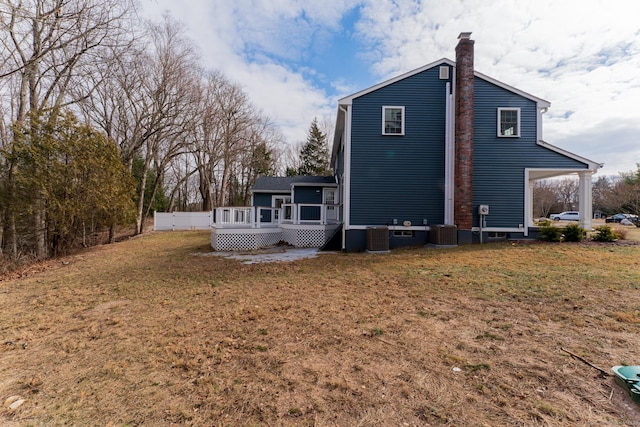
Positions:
(619, 217)
(565, 216)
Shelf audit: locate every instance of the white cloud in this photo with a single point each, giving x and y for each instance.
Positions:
(286, 97)
(252, 42)
(614, 144)
(581, 55)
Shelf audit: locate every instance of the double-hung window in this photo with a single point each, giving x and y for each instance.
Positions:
(392, 120)
(508, 122)
(278, 202)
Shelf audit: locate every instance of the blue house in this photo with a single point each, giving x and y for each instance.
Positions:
(447, 155)
(442, 154)
(304, 198)
(301, 211)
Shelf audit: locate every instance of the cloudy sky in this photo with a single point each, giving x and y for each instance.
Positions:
(296, 58)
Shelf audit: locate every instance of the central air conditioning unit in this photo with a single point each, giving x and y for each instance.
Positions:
(443, 235)
(377, 239)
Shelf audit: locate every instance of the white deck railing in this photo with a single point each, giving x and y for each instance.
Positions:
(309, 213)
(264, 217)
(245, 217)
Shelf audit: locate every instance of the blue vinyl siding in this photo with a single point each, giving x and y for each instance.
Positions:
(302, 194)
(310, 213)
(356, 240)
(262, 199)
(265, 200)
(499, 163)
(399, 177)
(307, 195)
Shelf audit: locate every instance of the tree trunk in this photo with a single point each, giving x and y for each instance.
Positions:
(153, 196)
(40, 231)
(10, 235)
(141, 192)
(223, 185)
(205, 191)
(9, 240)
(112, 233)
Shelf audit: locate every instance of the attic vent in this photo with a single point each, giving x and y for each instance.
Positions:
(444, 73)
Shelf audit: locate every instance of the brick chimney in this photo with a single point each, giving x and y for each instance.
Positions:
(463, 195)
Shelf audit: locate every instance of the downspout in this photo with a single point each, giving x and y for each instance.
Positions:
(346, 173)
(541, 111)
(449, 155)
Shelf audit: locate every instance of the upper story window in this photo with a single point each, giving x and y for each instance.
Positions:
(393, 120)
(509, 122)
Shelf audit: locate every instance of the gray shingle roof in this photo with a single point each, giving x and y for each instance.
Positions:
(283, 183)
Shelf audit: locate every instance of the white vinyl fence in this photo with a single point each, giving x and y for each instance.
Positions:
(163, 221)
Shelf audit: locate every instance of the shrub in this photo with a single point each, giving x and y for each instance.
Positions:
(574, 233)
(622, 233)
(604, 233)
(549, 233)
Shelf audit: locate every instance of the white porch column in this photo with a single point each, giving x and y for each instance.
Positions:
(585, 199)
(529, 219)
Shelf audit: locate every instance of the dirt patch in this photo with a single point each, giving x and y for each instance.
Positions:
(145, 332)
(274, 254)
(101, 311)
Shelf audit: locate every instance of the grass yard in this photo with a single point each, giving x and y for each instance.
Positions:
(151, 332)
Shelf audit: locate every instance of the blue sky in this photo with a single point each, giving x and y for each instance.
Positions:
(296, 58)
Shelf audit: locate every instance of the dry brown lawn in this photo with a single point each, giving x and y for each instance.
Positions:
(151, 332)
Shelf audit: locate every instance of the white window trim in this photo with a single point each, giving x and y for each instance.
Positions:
(286, 199)
(335, 195)
(500, 110)
(384, 108)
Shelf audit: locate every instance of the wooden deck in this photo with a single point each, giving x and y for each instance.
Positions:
(255, 227)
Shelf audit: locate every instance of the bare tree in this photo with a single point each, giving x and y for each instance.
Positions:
(169, 105)
(148, 105)
(235, 118)
(144, 88)
(255, 160)
(602, 189)
(291, 158)
(567, 191)
(327, 126)
(545, 198)
(625, 193)
(48, 48)
(229, 131)
(207, 138)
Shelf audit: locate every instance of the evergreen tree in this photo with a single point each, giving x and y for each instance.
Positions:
(75, 173)
(291, 171)
(314, 154)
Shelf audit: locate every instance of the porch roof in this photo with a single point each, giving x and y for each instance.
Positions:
(268, 184)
